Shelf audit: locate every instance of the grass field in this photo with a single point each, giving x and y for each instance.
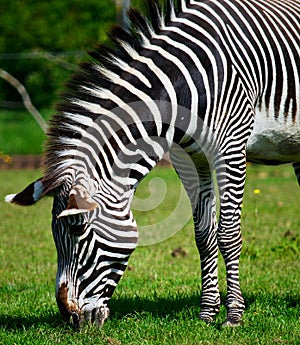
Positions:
(19, 133)
(157, 301)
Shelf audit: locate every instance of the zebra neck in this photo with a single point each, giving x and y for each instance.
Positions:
(114, 160)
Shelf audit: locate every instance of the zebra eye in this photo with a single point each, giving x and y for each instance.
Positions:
(77, 224)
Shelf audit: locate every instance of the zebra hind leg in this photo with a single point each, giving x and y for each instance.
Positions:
(296, 167)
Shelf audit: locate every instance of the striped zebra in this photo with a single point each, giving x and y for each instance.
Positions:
(210, 81)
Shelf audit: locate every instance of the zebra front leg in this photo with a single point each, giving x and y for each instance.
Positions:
(206, 239)
(210, 296)
(231, 188)
(195, 174)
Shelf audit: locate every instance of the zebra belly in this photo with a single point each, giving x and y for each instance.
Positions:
(274, 140)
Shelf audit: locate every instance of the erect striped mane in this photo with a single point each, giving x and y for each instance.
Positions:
(71, 120)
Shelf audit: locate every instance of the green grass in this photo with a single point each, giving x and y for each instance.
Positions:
(157, 301)
(19, 132)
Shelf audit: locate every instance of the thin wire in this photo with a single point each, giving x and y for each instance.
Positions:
(39, 55)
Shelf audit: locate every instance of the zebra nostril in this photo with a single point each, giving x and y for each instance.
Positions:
(94, 315)
(75, 319)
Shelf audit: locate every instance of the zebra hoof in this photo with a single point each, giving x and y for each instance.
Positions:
(234, 318)
(205, 319)
(207, 316)
(232, 323)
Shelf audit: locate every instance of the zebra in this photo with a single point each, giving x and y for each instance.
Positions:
(215, 83)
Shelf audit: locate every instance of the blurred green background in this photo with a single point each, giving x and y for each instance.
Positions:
(41, 44)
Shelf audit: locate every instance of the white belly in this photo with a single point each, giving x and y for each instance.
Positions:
(274, 141)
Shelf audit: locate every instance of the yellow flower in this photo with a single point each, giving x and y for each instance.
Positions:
(256, 191)
(7, 159)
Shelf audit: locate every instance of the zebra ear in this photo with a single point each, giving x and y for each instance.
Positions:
(79, 202)
(30, 195)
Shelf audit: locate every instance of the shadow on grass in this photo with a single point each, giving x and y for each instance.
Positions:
(184, 306)
(8, 322)
(158, 307)
(189, 305)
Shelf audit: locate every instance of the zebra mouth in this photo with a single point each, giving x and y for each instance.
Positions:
(79, 316)
(94, 317)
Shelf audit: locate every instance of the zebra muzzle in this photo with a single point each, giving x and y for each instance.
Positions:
(94, 317)
(77, 316)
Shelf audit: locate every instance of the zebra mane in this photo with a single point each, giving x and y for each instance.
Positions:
(68, 125)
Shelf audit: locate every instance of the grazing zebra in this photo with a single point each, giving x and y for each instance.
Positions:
(206, 80)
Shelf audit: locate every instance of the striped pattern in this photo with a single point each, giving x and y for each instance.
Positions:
(216, 77)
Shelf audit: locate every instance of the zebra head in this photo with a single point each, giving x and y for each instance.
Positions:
(93, 248)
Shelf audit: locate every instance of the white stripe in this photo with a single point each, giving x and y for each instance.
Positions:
(124, 149)
(148, 101)
(135, 118)
(208, 52)
(205, 18)
(292, 59)
(250, 75)
(187, 76)
(96, 108)
(107, 94)
(164, 79)
(81, 119)
(194, 91)
(127, 68)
